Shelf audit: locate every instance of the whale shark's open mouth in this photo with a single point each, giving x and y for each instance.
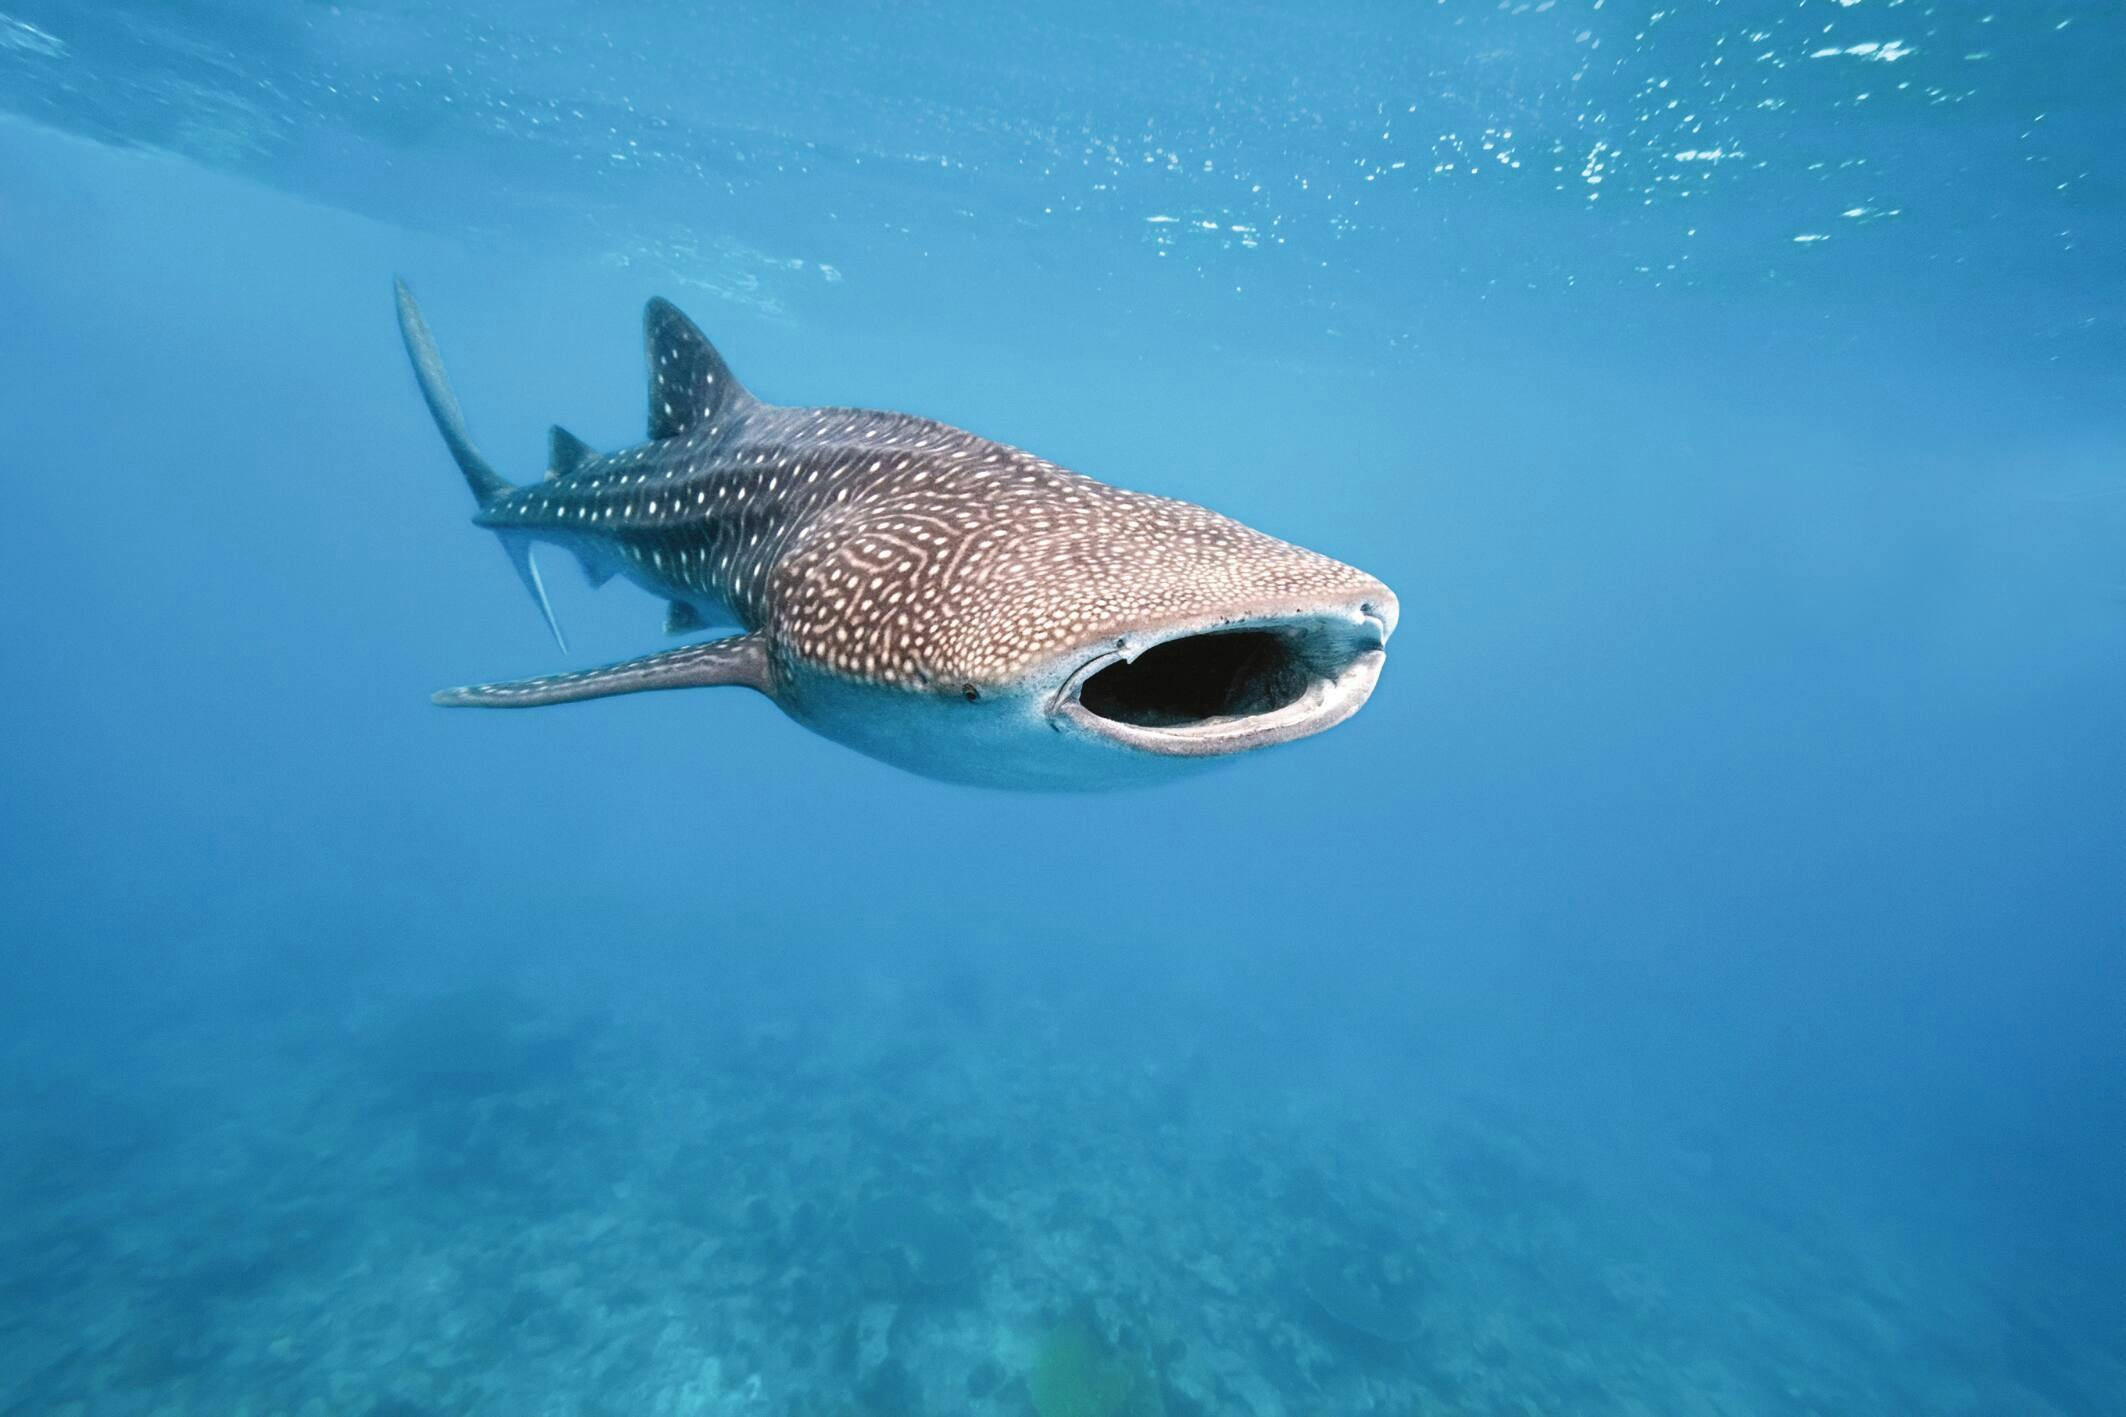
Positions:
(1197, 691)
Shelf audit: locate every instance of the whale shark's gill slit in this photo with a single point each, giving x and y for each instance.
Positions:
(1225, 674)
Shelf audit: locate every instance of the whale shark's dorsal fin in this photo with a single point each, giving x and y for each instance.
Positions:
(690, 385)
(565, 452)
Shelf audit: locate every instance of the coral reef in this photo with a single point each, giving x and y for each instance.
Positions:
(476, 1203)
(1080, 1374)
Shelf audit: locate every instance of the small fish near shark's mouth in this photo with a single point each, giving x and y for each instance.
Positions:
(1230, 685)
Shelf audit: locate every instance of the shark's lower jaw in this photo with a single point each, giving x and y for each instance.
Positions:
(1231, 685)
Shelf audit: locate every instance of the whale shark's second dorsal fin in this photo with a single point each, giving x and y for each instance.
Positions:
(565, 452)
(690, 385)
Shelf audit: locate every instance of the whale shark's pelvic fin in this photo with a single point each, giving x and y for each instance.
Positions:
(596, 572)
(488, 486)
(741, 660)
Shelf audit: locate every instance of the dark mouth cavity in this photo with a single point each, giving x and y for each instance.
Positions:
(1225, 674)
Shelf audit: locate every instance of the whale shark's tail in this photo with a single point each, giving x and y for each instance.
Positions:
(487, 485)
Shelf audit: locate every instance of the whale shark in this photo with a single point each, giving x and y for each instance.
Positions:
(951, 605)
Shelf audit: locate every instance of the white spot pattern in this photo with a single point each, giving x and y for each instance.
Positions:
(893, 549)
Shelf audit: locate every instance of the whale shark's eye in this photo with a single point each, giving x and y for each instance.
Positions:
(971, 692)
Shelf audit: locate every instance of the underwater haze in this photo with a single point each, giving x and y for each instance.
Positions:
(1692, 985)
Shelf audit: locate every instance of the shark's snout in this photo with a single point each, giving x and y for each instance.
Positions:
(1234, 682)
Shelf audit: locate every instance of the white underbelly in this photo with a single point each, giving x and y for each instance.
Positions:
(1000, 740)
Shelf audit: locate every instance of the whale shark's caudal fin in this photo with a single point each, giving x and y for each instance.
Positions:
(487, 485)
(519, 551)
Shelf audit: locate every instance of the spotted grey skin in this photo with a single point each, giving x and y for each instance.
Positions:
(943, 602)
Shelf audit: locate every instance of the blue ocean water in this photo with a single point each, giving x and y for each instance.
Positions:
(1692, 985)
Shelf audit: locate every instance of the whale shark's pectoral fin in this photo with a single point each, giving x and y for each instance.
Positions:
(741, 659)
(681, 618)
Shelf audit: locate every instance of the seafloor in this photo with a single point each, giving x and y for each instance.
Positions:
(951, 1197)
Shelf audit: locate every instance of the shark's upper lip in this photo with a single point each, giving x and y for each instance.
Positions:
(1229, 683)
